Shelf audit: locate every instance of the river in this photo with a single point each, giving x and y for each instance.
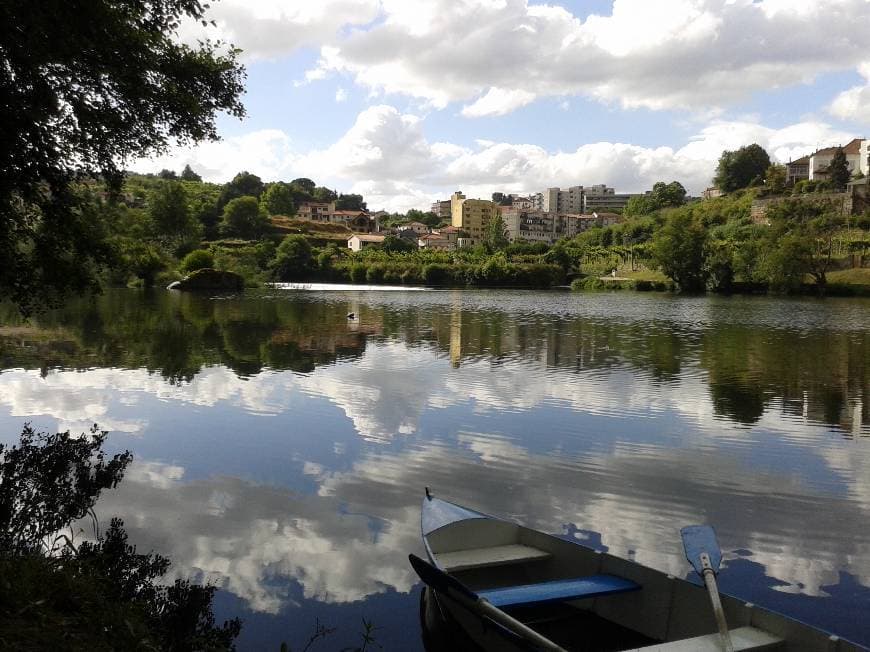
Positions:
(281, 448)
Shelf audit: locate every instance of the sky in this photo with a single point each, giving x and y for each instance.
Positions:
(406, 101)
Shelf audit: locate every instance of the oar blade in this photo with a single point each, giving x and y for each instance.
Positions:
(699, 539)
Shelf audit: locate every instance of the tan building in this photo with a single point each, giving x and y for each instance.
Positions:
(323, 212)
(359, 242)
(471, 215)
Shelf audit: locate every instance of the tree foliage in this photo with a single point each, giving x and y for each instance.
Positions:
(774, 179)
(838, 170)
(74, 107)
(496, 236)
(244, 184)
(679, 248)
(170, 213)
(293, 259)
(243, 218)
(278, 199)
(739, 169)
(663, 195)
(187, 174)
(350, 202)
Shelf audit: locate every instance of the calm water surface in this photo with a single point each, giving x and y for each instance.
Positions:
(281, 450)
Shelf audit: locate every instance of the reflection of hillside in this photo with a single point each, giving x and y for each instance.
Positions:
(821, 374)
(177, 335)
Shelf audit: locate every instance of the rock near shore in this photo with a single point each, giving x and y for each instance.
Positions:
(209, 279)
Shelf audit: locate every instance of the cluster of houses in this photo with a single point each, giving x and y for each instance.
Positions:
(814, 167)
(539, 217)
(555, 213)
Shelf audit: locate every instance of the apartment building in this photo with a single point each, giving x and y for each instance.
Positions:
(578, 200)
(442, 210)
(471, 216)
(556, 200)
(547, 227)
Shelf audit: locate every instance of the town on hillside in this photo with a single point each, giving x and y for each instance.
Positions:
(553, 214)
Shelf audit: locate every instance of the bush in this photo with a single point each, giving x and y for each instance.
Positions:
(357, 272)
(197, 259)
(375, 273)
(436, 274)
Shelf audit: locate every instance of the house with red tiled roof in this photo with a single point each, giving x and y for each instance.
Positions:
(821, 159)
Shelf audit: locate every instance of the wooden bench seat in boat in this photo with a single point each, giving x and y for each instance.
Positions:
(592, 586)
(743, 638)
(513, 553)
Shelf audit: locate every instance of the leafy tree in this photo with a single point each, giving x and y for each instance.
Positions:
(801, 241)
(678, 249)
(244, 184)
(739, 168)
(774, 179)
(838, 170)
(350, 203)
(428, 218)
(170, 213)
(641, 205)
(293, 259)
(668, 194)
(73, 108)
(662, 195)
(197, 259)
(168, 175)
(324, 194)
(278, 199)
(142, 259)
(203, 203)
(395, 245)
(496, 236)
(243, 218)
(303, 185)
(187, 174)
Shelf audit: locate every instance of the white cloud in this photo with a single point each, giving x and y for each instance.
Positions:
(687, 54)
(386, 156)
(854, 104)
(340, 95)
(266, 29)
(265, 152)
(498, 101)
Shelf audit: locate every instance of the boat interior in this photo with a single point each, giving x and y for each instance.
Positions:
(584, 599)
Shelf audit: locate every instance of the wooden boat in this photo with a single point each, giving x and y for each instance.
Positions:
(509, 587)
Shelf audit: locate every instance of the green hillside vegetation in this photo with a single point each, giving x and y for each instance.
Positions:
(802, 243)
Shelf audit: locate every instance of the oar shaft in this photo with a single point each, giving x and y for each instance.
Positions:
(514, 625)
(713, 590)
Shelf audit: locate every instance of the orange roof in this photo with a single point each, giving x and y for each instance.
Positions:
(803, 160)
(367, 238)
(852, 147)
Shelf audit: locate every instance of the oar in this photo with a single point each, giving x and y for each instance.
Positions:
(453, 588)
(702, 551)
